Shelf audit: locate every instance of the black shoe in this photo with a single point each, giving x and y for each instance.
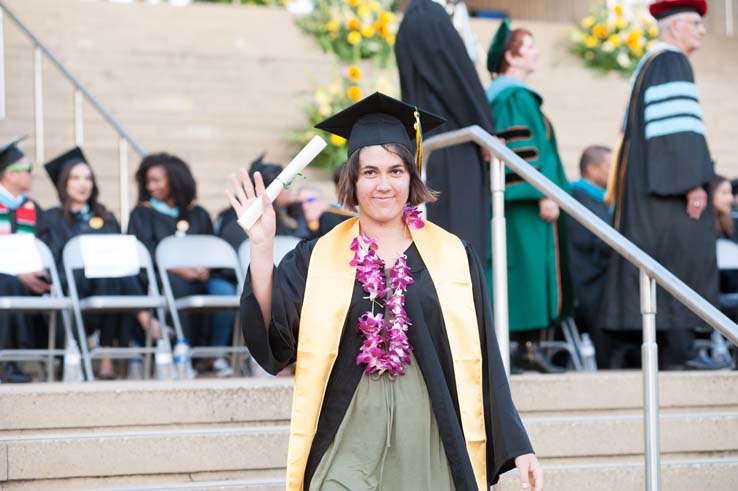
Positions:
(531, 358)
(702, 362)
(12, 374)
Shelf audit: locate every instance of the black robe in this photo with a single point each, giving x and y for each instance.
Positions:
(506, 437)
(437, 75)
(331, 217)
(113, 326)
(150, 227)
(663, 156)
(19, 330)
(591, 255)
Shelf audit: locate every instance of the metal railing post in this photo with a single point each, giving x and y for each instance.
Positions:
(79, 135)
(2, 65)
(123, 176)
(499, 261)
(650, 361)
(38, 103)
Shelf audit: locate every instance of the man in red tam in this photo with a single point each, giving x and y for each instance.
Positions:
(660, 185)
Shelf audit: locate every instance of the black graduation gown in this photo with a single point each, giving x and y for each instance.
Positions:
(58, 231)
(18, 330)
(150, 227)
(330, 218)
(590, 254)
(663, 156)
(437, 75)
(506, 437)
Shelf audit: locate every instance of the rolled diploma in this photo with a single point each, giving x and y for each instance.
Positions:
(301, 160)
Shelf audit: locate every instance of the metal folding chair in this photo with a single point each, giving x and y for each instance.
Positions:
(52, 304)
(200, 251)
(153, 300)
(282, 245)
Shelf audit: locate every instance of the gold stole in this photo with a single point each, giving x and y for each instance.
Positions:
(328, 291)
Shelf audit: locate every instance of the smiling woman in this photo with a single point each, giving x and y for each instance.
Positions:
(398, 385)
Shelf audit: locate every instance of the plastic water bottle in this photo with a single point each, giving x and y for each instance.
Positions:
(163, 361)
(183, 359)
(135, 368)
(72, 363)
(588, 353)
(719, 348)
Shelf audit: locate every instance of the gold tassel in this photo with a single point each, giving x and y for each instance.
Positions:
(418, 141)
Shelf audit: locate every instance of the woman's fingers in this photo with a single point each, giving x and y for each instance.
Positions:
(259, 183)
(537, 472)
(237, 207)
(247, 186)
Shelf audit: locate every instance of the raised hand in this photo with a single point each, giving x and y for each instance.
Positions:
(245, 193)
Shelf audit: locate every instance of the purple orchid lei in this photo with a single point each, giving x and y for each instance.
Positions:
(384, 351)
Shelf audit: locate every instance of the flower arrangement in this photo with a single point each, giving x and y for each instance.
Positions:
(275, 3)
(354, 29)
(342, 92)
(610, 39)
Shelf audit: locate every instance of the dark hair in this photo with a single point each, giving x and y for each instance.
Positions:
(337, 173)
(182, 186)
(513, 46)
(723, 221)
(592, 155)
(61, 190)
(419, 192)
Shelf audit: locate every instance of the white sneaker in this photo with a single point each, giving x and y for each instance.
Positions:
(222, 368)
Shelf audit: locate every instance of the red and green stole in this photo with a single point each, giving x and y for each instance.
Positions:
(25, 217)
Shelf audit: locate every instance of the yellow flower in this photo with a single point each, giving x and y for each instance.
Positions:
(614, 40)
(354, 73)
(380, 28)
(354, 38)
(390, 38)
(385, 17)
(634, 35)
(338, 141)
(600, 31)
(588, 22)
(636, 50)
(367, 31)
(621, 23)
(354, 93)
(653, 30)
(619, 10)
(332, 26)
(591, 42)
(353, 24)
(375, 6)
(353, 3)
(363, 11)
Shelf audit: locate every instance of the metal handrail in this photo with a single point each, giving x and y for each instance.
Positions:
(80, 93)
(651, 272)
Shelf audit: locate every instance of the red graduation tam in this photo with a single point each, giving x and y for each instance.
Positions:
(665, 8)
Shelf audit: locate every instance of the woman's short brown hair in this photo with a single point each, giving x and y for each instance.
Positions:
(517, 36)
(419, 192)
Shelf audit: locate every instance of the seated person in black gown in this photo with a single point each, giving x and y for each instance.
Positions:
(79, 213)
(166, 206)
(19, 214)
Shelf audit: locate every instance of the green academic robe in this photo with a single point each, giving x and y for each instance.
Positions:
(539, 285)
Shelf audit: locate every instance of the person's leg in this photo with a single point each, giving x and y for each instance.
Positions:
(222, 321)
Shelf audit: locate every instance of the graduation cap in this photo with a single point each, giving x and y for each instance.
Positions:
(379, 119)
(665, 8)
(497, 48)
(55, 167)
(10, 153)
(268, 171)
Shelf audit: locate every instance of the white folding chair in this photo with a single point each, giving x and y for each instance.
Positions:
(200, 251)
(153, 300)
(52, 304)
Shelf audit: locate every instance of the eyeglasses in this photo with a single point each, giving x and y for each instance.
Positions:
(310, 199)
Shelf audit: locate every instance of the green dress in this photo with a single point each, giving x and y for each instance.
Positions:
(388, 439)
(539, 285)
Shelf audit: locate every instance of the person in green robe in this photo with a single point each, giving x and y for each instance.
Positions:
(538, 277)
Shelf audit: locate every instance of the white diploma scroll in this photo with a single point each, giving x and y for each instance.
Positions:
(18, 254)
(301, 160)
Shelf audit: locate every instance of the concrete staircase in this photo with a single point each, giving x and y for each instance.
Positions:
(232, 434)
(218, 84)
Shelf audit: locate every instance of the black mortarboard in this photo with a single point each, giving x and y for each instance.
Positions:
(497, 48)
(55, 167)
(10, 153)
(380, 119)
(268, 171)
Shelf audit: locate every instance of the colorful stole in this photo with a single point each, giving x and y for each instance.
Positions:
(331, 276)
(25, 217)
